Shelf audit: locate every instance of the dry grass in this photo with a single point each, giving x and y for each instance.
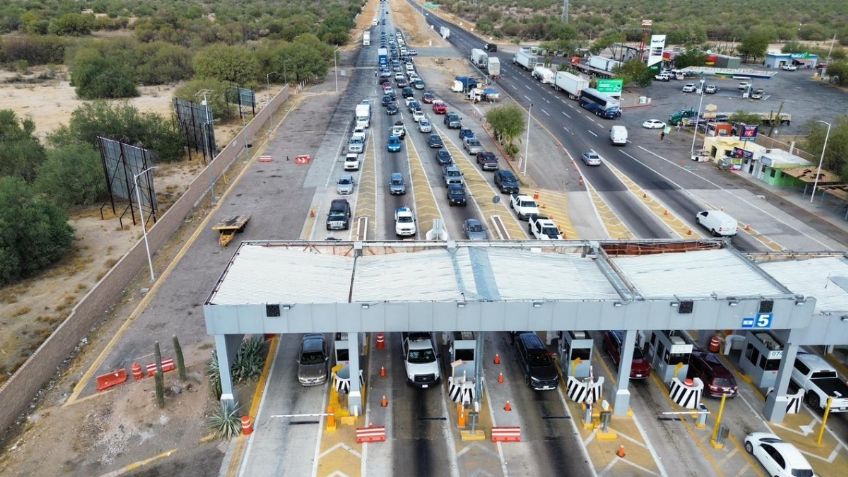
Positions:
(22, 311)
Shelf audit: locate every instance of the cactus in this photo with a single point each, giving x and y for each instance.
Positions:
(178, 351)
(160, 389)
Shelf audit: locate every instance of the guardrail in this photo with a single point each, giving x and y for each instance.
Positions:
(22, 387)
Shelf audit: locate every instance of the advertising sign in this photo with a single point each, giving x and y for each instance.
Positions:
(655, 51)
(747, 132)
(610, 86)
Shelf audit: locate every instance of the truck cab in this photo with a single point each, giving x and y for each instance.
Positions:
(524, 206)
(543, 228)
(820, 381)
(338, 217)
(420, 359)
(404, 222)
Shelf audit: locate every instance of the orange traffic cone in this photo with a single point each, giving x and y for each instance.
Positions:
(500, 378)
(497, 358)
(382, 371)
(384, 402)
(620, 451)
(507, 407)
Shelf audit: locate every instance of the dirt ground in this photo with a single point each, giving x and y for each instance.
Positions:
(418, 32)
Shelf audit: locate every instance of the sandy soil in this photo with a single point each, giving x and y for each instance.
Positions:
(418, 32)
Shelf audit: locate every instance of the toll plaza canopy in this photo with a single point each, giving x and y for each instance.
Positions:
(330, 286)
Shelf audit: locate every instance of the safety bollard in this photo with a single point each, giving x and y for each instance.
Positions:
(702, 417)
(605, 420)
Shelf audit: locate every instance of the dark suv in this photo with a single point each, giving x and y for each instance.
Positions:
(339, 216)
(717, 379)
(506, 182)
(539, 369)
(488, 160)
(453, 121)
(640, 368)
(456, 194)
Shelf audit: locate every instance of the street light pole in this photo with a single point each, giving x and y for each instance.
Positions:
(697, 118)
(335, 68)
(527, 140)
(821, 160)
(143, 224)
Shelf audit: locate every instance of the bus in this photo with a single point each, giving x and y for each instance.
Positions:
(601, 104)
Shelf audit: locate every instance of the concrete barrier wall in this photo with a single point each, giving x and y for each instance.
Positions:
(21, 388)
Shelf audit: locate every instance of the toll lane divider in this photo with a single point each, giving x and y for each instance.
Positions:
(686, 395)
(370, 434)
(506, 434)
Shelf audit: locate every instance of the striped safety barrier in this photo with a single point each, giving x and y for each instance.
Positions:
(687, 395)
(506, 434)
(167, 365)
(461, 390)
(370, 434)
(583, 391)
(343, 384)
(795, 400)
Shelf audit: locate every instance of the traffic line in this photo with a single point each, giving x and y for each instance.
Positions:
(366, 202)
(593, 133)
(555, 205)
(566, 114)
(546, 113)
(426, 208)
(609, 219)
(139, 464)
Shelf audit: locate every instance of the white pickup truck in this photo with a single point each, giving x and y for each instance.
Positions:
(523, 205)
(543, 228)
(420, 359)
(819, 381)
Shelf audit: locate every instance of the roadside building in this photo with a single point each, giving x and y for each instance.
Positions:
(776, 59)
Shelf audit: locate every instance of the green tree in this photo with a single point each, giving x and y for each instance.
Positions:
(160, 63)
(74, 24)
(216, 96)
(20, 151)
(125, 123)
(95, 75)
(72, 175)
(836, 154)
(635, 71)
(227, 63)
(690, 58)
(508, 123)
(754, 44)
(745, 117)
(838, 72)
(34, 233)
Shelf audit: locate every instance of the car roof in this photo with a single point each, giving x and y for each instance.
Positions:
(313, 342)
(456, 185)
(531, 341)
(396, 175)
(473, 222)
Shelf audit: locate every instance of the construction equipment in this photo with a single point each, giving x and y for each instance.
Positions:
(228, 228)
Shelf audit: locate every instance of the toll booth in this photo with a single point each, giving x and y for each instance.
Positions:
(341, 346)
(761, 357)
(575, 353)
(463, 383)
(669, 353)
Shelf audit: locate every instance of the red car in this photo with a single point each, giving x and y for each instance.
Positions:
(439, 107)
(640, 368)
(717, 379)
(428, 97)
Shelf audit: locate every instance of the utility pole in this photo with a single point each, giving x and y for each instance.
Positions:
(564, 16)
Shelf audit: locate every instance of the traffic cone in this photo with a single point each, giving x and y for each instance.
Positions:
(500, 378)
(384, 402)
(507, 407)
(620, 451)
(312, 212)
(497, 358)
(382, 371)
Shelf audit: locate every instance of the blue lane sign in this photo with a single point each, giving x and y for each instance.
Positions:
(761, 321)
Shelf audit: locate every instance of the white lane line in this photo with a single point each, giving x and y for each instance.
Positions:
(528, 88)
(546, 113)
(650, 447)
(737, 196)
(528, 98)
(570, 420)
(566, 114)
(494, 424)
(593, 133)
(563, 101)
(320, 431)
(567, 130)
(244, 459)
(447, 434)
(546, 100)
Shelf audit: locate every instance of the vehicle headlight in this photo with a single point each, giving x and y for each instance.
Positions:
(534, 379)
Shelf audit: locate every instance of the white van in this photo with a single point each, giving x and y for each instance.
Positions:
(618, 135)
(717, 222)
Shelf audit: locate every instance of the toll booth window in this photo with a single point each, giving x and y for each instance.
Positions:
(769, 364)
(752, 354)
(583, 353)
(678, 358)
(465, 354)
(342, 354)
(660, 349)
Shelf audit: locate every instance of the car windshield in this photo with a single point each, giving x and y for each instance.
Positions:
(344, 181)
(538, 359)
(723, 382)
(397, 181)
(418, 356)
(312, 358)
(802, 472)
(405, 219)
(550, 232)
(475, 228)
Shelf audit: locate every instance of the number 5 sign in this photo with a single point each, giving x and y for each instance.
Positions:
(761, 321)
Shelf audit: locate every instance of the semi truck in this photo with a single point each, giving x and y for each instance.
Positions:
(570, 83)
(366, 38)
(494, 67)
(479, 57)
(445, 32)
(383, 56)
(544, 74)
(603, 63)
(526, 58)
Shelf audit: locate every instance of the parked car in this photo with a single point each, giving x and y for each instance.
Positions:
(443, 157)
(717, 222)
(591, 158)
(456, 194)
(345, 184)
(539, 370)
(662, 77)
(506, 182)
(778, 458)
(758, 93)
(474, 230)
(435, 141)
(689, 88)
(710, 89)
(717, 379)
(640, 368)
(312, 360)
(397, 186)
(787, 67)
(744, 85)
(488, 161)
(653, 124)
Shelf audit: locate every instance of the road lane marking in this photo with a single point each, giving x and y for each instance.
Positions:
(593, 133)
(528, 88)
(528, 97)
(546, 113)
(566, 114)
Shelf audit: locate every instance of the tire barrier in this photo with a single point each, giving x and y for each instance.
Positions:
(687, 395)
(370, 434)
(343, 384)
(581, 391)
(461, 390)
(506, 434)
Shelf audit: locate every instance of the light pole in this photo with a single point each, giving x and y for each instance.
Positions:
(268, 82)
(141, 216)
(821, 160)
(697, 118)
(527, 140)
(335, 68)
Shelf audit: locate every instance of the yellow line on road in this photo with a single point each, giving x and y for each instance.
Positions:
(615, 227)
(137, 311)
(426, 207)
(137, 465)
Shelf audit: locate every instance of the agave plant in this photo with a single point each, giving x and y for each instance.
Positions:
(214, 375)
(249, 360)
(225, 422)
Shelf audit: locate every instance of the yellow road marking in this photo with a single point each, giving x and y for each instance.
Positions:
(425, 202)
(615, 227)
(367, 197)
(137, 465)
(554, 204)
(145, 301)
